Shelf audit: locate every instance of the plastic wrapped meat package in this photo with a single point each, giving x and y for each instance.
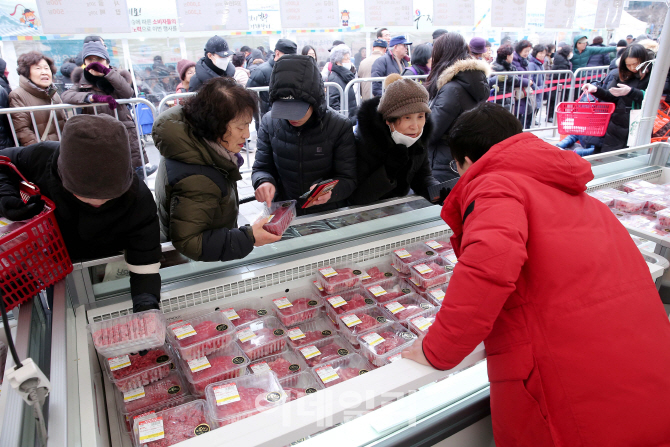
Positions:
(388, 290)
(299, 385)
(323, 351)
(198, 336)
(657, 204)
(172, 426)
(311, 331)
(278, 216)
(248, 310)
(360, 321)
(642, 196)
(307, 229)
(346, 302)
(403, 258)
(435, 295)
(233, 400)
(607, 200)
(297, 306)
(406, 307)
(377, 272)
(421, 324)
(341, 370)
(384, 342)
(439, 245)
(336, 278)
(431, 273)
(128, 333)
(261, 338)
(223, 364)
(636, 185)
(283, 364)
(136, 369)
(663, 218)
(127, 421)
(153, 394)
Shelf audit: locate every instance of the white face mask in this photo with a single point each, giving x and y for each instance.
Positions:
(401, 138)
(222, 62)
(346, 65)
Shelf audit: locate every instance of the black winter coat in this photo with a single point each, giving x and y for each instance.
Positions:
(598, 60)
(293, 159)
(617, 130)
(561, 63)
(260, 77)
(342, 76)
(6, 138)
(383, 67)
(128, 223)
(375, 149)
(460, 88)
(206, 70)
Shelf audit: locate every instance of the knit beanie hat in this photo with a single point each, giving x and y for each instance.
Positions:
(94, 160)
(183, 66)
(402, 97)
(95, 49)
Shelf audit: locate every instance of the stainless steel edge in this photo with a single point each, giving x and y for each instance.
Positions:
(59, 381)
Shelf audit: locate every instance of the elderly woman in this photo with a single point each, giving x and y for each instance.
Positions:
(340, 57)
(36, 88)
(421, 61)
(196, 184)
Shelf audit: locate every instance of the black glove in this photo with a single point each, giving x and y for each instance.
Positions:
(145, 301)
(14, 209)
(443, 195)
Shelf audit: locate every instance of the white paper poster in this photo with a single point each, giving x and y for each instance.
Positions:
(508, 13)
(206, 15)
(608, 14)
(309, 13)
(453, 13)
(559, 14)
(389, 13)
(84, 16)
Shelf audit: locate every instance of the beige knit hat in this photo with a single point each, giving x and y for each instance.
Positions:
(402, 97)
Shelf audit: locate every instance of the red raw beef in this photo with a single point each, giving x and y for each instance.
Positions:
(410, 309)
(154, 394)
(354, 303)
(288, 315)
(375, 276)
(130, 418)
(310, 337)
(205, 332)
(294, 393)
(345, 374)
(415, 255)
(391, 341)
(367, 323)
(246, 315)
(263, 344)
(328, 352)
(179, 425)
(280, 367)
(247, 402)
(139, 363)
(280, 222)
(436, 277)
(135, 329)
(222, 365)
(345, 279)
(389, 296)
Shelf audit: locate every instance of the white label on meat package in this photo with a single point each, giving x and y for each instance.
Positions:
(295, 334)
(377, 290)
(337, 301)
(396, 268)
(395, 307)
(230, 314)
(395, 357)
(310, 351)
(175, 323)
(451, 257)
(318, 286)
(438, 294)
(434, 245)
(134, 394)
(260, 367)
(327, 374)
(415, 282)
(184, 331)
(270, 217)
(351, 320)
(226, 394)
(144, 416)
(328, 272)
(422, 323)
(373, 339)
(199, 364)
(120, 362)
(364, 275)
(282, 303)
(423, 269)
(151, 430)
(402, 254)
(245, 334)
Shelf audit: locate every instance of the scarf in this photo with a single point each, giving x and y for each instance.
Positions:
(99, 82)
(213, 67)
(233, 157)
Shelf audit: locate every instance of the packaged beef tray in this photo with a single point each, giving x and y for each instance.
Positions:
(340, 370)
(128, 420)
(299, 385)
(297, 306)
(128, 371)
(629, 204)
(198, 336)
(403, 258)
(236, 399)
(153, 394)
(336, 278)
(346, 302)
(284, 364)
(420, 325)
(430, 273)
(324, 351)
(360, 321)
(222, 364)
(406, 307)
(261, 338)
(172, 426)
(388, 290)
(315, 330)
(247, 310)
(435, 295)
(384, 342)
(278, 217)
(128, 333)
(377, 272)
(439, 245)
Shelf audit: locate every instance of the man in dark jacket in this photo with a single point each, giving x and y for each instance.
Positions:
(66, 71)
(392, 62)
(6, 138)
(215, 63)
(301, 142)
(4, 83)
(100, 212)
(600, 59)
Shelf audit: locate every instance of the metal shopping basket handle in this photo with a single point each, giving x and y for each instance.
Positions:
(5, 161)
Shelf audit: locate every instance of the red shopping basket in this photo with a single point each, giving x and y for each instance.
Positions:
(33, 256)
(584, 118)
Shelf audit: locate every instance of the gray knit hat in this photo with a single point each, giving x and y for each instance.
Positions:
(94, 160)
(402, 97)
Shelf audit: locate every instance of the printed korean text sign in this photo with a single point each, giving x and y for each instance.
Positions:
(453, 13)
(559, 13)
(608, 14)
(309, 13)
(508, 13)
(201, 15)
(389, 13)
(84, 16)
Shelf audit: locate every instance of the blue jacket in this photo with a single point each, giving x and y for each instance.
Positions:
(383, 67)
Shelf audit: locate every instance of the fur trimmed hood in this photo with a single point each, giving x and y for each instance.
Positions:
(465, 65)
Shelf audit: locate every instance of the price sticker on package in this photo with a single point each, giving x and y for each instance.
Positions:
(351, 320)
(362, 275)
(226, 394)
(377, 290)
(327, 374)
(282, 303)
(395, 357)
(318, 286)
(296, 334)
(373, 339)
(310, 351)
(260, 368)
(423, 269)
(270, 217)
(402, 253)
(451, 257)
(438, 294)
(151, 430)
(395, 307)
(245, 334)
(134, 394)
(184, 331)
(120, 362)
(144, 416)
(199, 364)
(328, 272)
(337, 301)
(422, 323)
(230, 314)
(434, 245)
(414, 281)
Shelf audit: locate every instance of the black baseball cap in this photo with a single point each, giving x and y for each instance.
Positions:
(335, 43)
(218, 45)
(289, 108)
(380, 43)
(286, 46)
(438, 32)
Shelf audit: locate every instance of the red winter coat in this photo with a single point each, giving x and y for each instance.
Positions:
(577, 341)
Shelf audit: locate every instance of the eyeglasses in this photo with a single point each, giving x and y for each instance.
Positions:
(453, 166)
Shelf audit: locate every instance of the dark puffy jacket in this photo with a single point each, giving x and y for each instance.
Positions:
(374, 146)
(4, 83)
(460, 88)
(522, 64)
(260, 77)
(6, 138)
(342, 76)
(196, 192)
(383, 67)
(561, 63)
(128, 223)
(293, 159)
(66, 70)
(206, 70)
(617, 130)
(504, 85)
(599, 59)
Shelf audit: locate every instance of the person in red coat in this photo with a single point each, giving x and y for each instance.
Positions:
(576, 337)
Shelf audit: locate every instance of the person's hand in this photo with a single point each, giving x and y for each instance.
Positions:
(97, 69)
(415, 352)
(14, 209)
(322, 199)
(589, 88)
(620, 90)
(111, 102)
(266, 193)
(261, 236)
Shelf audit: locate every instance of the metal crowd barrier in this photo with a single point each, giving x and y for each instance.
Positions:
(345, 109)
(587, 75)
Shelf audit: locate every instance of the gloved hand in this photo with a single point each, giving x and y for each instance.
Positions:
(97, 66)
(443, 195)
(14, 209)
(111, 102)
(145, 301)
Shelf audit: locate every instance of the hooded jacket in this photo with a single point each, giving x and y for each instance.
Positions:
(580, 60)
(27, 94)
(293, 159)
(206, 70)
(196, 193)
(599, 60)
(375, 147)
(460, 88)
(4, 83)
(260, 77)
(6, 138)
(576, 355)
(342, 77)
(383, 67)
